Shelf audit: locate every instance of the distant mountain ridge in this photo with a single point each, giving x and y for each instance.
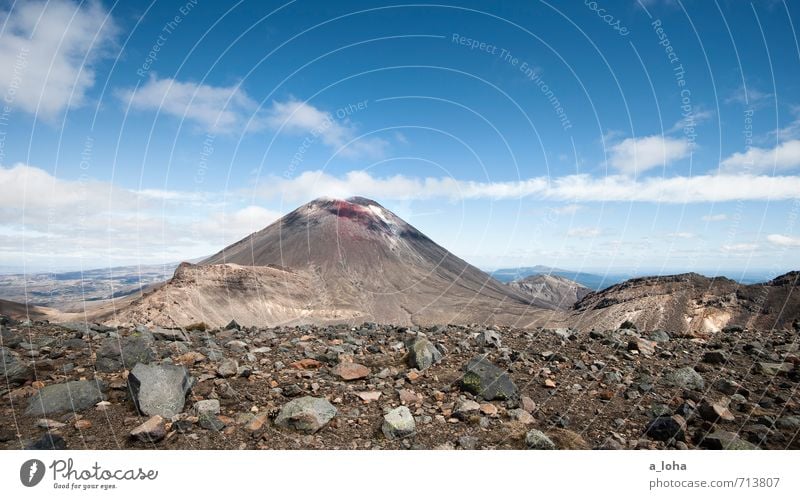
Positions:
(558, 291)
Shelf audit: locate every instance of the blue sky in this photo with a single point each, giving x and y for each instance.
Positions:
(647, 136)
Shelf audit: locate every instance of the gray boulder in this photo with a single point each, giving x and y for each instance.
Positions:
(73, 396)
(422, 354)
(9, 339)
(537, 440)
(686, 378)
(489, 338)
(306, 414)
(398, 423)
(13, 370)
(117, 354)
(163, 334)
(484, 379)
(159, 389)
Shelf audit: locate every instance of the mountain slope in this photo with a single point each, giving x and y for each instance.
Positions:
(343, 260)
(692, 302)
(558, 291)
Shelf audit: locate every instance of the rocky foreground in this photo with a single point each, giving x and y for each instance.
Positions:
(80, 386)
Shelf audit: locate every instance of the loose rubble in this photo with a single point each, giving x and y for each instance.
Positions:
(371, 386)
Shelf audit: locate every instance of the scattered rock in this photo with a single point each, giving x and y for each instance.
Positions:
(774, 369)
(12, 369)
(486, 380)
(715, 411)
(48, 441)
(643, 346)
(685, 377)
(726, 440)
(163, 334)
(73, 396)
(151, 431)
(422, 354)
(666, 428)
(537, 440)
(306, 414)
(159, 389)
(228, 368)
(306, 364)
(714, 357)
(398, 423)
(210, 406)
(466, 407)
(116, 354)
(489, 338)
(350, 371)
(369, 396)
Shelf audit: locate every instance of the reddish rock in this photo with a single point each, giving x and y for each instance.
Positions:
(349, 371)
(151, 430)
(305, 364)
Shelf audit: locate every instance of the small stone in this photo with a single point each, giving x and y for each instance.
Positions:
(465, 408)
(13, 370)
(522, 416)
(666, 428)
(350, 371)
(488, 409)
(211, 422)
(82, 424)
(643, 346)
(228, 368)
(151, 430)
(774, 369)
(486, 380)
(527, 404)
(306, 364)
(729, 387)
(489, 338)
(726, 440)
(159, 389)
(210, 406)
(714, 411)
(714, 357)
(306, 414)
(65, 397)
(686, 378)
(409, 397)
(468, 442)
(537, 440)
(398, 423)
(369, 396)
(163, 334)
(422, 354)
(48, 441)
(191, 358)
(549, 383)
(49, 424)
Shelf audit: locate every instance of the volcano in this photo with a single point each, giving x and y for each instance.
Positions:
(336, 260)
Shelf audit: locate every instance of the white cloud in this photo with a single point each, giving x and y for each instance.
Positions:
(302, 118)
(570, 188)
(786, 241)
(748, 96)
(714, 218)
(785, 156)
(697, 117)
(637, 155)
(212, 108)
(568, 209)
(739, 248)
(584, 232)
(681, 235)
(47, 219)
(48, 52)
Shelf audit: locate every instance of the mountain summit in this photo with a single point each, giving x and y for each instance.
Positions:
(340, 259)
